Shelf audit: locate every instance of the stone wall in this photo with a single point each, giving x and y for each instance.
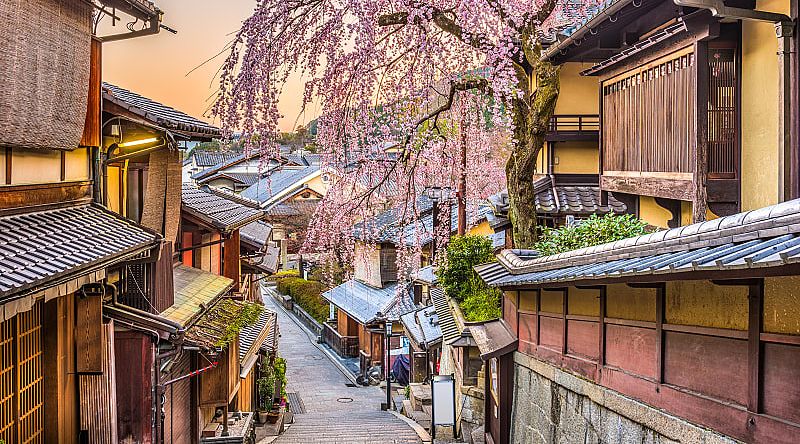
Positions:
(554, 406)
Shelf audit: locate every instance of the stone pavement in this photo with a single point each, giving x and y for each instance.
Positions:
(335, 412)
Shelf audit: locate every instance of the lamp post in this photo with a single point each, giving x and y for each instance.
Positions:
(436, 194)
(388, 334)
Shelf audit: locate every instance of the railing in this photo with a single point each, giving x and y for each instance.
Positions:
(576, 124)
(345, 346)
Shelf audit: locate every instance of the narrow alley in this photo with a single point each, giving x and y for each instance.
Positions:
(334, 412)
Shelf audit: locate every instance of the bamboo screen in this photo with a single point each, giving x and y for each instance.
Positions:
(649, 116)
(21, 378)
(44, 77)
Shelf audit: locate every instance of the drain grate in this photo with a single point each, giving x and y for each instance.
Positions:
(350, 384)
(345, 400)
(295, 403)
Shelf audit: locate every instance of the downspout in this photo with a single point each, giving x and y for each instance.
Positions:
(784, 31)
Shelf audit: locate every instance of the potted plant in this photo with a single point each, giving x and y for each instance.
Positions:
(266, 393)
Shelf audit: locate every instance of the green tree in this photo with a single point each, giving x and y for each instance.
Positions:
(457, 277)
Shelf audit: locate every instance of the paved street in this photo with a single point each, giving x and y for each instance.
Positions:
(335, 413)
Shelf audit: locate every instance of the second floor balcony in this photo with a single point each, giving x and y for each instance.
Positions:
(574, 127)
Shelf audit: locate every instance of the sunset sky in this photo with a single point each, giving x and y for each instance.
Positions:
(157, 66)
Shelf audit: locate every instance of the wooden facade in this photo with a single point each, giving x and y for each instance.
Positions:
(697, 349)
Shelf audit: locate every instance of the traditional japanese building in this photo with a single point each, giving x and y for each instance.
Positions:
(60, 247)
(682, 334)
(686, 126)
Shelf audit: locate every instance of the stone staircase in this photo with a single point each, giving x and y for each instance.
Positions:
(354, 427)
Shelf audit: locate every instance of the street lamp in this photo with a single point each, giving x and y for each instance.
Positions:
(388, 333)
(436, 194)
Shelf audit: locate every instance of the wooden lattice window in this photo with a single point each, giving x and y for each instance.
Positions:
(21, 378)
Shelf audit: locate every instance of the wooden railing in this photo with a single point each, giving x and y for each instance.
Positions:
(575, 124)
(345, 346)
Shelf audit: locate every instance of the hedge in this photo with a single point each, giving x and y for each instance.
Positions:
(306, 294)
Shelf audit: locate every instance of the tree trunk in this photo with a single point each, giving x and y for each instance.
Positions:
(531, 116)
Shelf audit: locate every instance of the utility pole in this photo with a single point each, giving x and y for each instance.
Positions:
(462, 182)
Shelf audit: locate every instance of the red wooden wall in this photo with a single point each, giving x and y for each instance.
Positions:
(740, 382)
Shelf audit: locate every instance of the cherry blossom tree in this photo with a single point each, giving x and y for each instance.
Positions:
(403, 87)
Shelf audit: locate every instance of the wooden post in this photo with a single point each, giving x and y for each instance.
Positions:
(700, 201)
(601, 348)
(661, 292)
(565, 307)
(231, 262)
(756, 303)
(462, 184)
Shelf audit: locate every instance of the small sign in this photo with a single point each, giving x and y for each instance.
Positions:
(443, 398)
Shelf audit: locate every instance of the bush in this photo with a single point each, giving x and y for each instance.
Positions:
(283, 274)
(589, 232)
(306, 294)
(478, 301)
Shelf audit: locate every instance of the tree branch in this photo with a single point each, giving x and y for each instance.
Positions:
(443, 22)
(463, 85)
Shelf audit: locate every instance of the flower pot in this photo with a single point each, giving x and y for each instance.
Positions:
(263, 417)
(272, 417)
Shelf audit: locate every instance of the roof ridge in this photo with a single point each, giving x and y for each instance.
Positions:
(774, 220)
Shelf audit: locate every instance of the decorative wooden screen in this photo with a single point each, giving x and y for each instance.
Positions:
(21, 378)
(722, 112)
(649, 116)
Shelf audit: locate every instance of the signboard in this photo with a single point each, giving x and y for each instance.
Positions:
(443, 400)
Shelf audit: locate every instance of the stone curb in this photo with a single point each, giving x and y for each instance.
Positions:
(421, 432)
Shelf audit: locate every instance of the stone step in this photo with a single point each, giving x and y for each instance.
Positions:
(407, 407)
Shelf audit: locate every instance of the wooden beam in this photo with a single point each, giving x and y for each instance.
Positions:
(680, 189)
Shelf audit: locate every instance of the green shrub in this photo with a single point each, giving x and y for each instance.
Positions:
(478, 301)
(283, 274)
(279, 368)
(306, 294)
(589, 232)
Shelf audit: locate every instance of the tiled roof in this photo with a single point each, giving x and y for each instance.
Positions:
(256, 233)
(220, 212)
(268, 262)
(239, 178)
(362, 302)
(421, 230)
(38, 248)
(559, 200)
(744, 243)
(293, 208)
(426, 275)
(194, 290)
(385, 226)
(280, 180)
(263, 335)
(205, 158)
(159, 114)
(447, 322)
(422, 325)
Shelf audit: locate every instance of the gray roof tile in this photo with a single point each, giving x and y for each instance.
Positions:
(740, 242)
(223, 213)
(39, 247)
(159, 114)
(362, 302)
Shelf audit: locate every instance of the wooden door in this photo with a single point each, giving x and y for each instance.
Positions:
(21, 378)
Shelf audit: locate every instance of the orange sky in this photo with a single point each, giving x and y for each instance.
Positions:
(157, 66)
